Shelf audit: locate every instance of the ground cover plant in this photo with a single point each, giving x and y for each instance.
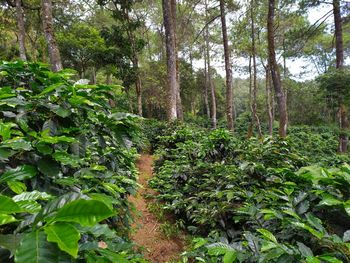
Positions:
(251, 200)
(67, 167)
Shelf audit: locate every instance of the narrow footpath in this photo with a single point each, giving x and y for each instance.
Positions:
(146, 228)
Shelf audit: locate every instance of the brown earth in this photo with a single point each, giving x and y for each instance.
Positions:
(146, 228)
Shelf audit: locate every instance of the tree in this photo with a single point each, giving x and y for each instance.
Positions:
(21, 30)
(47, 19)
(275, 74)
(339, 51)
(169, 26)
(228, 68)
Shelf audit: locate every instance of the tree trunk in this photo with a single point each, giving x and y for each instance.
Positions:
(275, 74)
(54, 54)
(179, 110)
(339, 51)
(109, 79)
(206, 100)
(229, 90)
(171, 59)
(138, 84)
(209, 79)
(94, 77)
(254, 98)
(21, 30)
(269, 100)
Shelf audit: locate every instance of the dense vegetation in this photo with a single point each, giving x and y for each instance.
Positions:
(247, 106)
(256, 201)
(67, 164)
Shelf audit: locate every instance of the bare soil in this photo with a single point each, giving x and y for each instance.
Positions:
(146, 228)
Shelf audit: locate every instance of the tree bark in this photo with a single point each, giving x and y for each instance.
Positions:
(54, 54)
(209, 79)
(339, 51)
(21, 30)
(255, 87)
(269, 100)
(206, 100)
(179, 110)
(275, 74)
(171, 59)
(228, 69)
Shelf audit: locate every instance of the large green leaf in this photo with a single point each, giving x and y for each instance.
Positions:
(31, 196)
(17, 144)
(8, 206)
(17, 187)
(49, 167)
(34, 248)
(84, 212)
(6, 219)
(19, 173)
(67, 159)
(65, 235)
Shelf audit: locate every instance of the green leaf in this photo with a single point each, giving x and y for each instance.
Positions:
(330, 259)
(305, 251)
(17, 144)
(8, 206)
(19, 173)
(329, 200)
(6, 219)
(35, 249)
(84, 212)
(67, 159)
(267, 234)
(29, 206)
(10, 242)
(312, 260)
(17, 187)
(31, 196)
(44, 147)
(230, 256)
(52, 88)
(49, 167)
(65, 235)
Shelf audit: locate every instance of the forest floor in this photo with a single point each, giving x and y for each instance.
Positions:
(147, 231)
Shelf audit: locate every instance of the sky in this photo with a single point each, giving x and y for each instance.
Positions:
(300, 68)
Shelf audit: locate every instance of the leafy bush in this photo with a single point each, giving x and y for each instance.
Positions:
(257, 201)
(67, 166)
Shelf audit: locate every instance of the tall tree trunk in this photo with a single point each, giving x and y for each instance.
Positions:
(179, 110)
(229, 90)
(54, 54)
(275, 74)
(94, 77)
(171, 59)
(108, 79)
(339, 51)
(206, 100)
(138, 84)
(269, 99)
(255, 87)
(21, 30)
(209, 79)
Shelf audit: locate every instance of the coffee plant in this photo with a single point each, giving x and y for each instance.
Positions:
(251, 200)
(67, 166)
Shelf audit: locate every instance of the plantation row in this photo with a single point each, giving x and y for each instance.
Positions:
(255, 201)
(67, 166)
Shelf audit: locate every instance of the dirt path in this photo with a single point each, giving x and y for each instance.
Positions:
(146, 229)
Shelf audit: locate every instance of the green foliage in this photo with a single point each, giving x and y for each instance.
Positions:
(67, 166)
(257, 201)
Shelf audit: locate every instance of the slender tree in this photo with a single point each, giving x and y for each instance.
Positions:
(170, 42)
(228, 69)
(339, 52)
(21, 30)
(254, 68)
(47, 19)
(275, 74)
